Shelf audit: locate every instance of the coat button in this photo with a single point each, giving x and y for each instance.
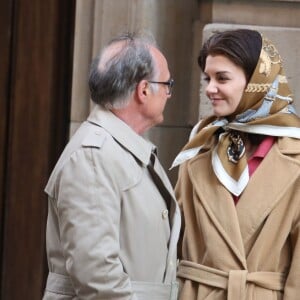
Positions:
(165, 214)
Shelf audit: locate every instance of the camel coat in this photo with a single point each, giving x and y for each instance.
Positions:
(248, 251)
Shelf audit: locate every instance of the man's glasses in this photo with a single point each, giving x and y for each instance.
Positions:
(169, 83)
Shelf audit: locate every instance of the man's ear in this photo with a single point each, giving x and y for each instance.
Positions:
(143, 90)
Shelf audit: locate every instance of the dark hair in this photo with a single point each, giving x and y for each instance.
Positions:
(241, 46)
(123, 63)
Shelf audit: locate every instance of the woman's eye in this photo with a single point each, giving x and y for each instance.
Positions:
(205, 78)
(222, 78)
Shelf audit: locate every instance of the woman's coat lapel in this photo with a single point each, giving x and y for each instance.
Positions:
(218, 204)
(275, 175)
(236, 224)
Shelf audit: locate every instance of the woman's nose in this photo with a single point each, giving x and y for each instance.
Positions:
(211, 87)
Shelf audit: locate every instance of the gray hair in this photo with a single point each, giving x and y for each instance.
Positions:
(121, 65)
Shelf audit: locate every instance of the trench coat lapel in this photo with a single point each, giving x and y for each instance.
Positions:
(274, 176)
(175, 218)
(159, 171)
(218, 203)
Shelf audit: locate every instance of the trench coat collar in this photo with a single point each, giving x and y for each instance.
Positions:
(236, 224)
(122, 133)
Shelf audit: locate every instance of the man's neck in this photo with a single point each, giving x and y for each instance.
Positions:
(132, 118)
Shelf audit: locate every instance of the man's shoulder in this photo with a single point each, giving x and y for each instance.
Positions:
(93, 145)
(94, 136)
(86, 136)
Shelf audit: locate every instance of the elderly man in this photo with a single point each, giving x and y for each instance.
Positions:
(113, 222)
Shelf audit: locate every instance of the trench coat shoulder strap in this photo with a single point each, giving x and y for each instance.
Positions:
(95, 137)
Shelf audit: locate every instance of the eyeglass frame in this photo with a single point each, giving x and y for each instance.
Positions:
(169, 83)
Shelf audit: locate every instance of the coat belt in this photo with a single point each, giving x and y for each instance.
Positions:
(61, 284)
(234, 281)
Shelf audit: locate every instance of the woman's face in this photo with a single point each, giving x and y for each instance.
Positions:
(226, 83)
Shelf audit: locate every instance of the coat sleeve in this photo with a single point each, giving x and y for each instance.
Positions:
(183, 184)
(89, 208)
(292, 286)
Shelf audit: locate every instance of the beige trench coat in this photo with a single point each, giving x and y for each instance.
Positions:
(248, 251)
(110, 233)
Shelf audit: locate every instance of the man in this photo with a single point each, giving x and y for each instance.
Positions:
(113, 222)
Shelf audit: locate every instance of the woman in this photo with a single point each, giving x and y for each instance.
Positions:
(239, 179)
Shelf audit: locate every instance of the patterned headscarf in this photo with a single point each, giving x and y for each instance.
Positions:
(265, 108)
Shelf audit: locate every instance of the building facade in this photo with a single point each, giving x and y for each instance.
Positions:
(45, 51)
